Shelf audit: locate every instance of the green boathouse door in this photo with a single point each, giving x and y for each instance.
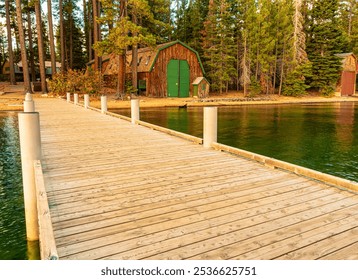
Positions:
(178, 78)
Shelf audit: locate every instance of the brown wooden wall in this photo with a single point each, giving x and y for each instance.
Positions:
(157, 79)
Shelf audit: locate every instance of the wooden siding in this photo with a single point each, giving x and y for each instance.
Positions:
(348, 83)
(158, 76)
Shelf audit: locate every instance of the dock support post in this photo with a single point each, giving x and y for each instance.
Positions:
(68, 96)
(30, 147)
(87, 101)
(103, 104)
(134, 110)
(75, 98)
(210, 126)
(29, 105)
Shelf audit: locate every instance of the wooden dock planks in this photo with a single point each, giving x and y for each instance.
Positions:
(123, 191)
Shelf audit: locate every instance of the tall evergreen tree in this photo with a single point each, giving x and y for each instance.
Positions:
(71, 43)
(326, 40)
(51, 37)
(247, 28)
(9, 42)
(349, 21)
(125, 33)
(160, 24)
(25, 68)
(219, 45)
(40, 46)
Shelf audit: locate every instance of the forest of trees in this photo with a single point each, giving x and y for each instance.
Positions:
(257, 46)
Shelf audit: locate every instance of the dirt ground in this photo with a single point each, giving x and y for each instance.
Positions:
(11, 99)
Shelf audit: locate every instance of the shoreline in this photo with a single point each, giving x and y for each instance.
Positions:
(146, 102)
(13, 101)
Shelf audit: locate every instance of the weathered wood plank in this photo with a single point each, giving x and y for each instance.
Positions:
(123, 191)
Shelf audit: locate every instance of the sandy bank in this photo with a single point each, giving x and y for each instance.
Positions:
(11, 99)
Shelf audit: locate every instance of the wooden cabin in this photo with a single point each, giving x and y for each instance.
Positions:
(201, 87)
(346, 85)
(167, 70)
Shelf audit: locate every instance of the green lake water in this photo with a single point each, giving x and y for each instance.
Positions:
(321, 136)
(13, 245)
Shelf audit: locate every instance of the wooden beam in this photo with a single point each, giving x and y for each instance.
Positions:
(48, 250)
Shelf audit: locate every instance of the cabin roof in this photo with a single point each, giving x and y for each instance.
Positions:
(345, 59)
(146, 58)
(198, 80)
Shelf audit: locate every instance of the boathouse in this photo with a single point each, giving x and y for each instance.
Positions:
(346, 85)
(167, 70)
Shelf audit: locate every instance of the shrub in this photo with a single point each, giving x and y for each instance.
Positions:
(58, 84)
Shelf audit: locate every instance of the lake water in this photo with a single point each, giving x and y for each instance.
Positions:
(13, 243)
(321, 136)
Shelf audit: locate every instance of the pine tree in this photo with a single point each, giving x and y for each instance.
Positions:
(71, 43)
(40, 45)
(219, 45)
(246, 23)
(27, 84)
(299, 67)
(160, 24)
(125, 33)
(51, 37)
(9, 41)
(326, 40)
(349, 21)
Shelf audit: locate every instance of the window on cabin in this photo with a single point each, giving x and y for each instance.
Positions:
(148, 59)
(139, 61)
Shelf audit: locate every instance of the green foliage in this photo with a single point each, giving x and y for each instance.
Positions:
(125, 33)
(74, 37)
(295, 83)
(129, 88)
(118, 39)
(219, 45)
(254, 88)
(326, 40)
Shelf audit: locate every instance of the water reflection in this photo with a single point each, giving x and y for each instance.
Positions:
(318, 136)
(12, 225)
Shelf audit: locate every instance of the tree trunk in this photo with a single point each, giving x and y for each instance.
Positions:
(90, 38)
(95, 32)
(71, 43)
(9, 43)
(27, 84)
(52, 39)
(31, 48)
(62, 39)
(135, 57)
(86, 20)
(282, 68)
(122, 58)
(121, 74)
(40, 46)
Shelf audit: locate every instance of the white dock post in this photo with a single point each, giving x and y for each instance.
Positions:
(30, 146)
(87, 101)
(75, 98)
(29, 105)
(134, 110)
(103, 104)
(210, 126)
(68, 96)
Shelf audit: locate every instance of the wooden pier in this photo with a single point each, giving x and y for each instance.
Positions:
(118, 190)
